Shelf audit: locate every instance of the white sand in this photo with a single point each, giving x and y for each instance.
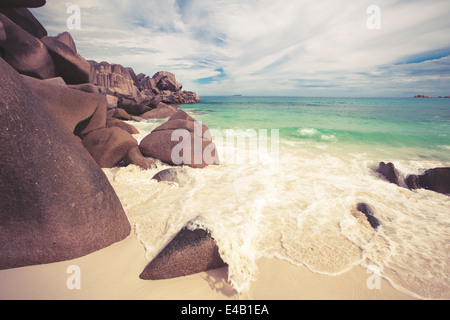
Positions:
(113, 274)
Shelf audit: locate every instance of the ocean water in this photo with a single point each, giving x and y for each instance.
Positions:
(293, 171)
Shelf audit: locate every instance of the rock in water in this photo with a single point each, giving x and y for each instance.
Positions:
(368, 212)
(168, 175)
(437, 180)
(389, 171)
(24, 52)
(190, 252)
(56, 204)
(181, 142)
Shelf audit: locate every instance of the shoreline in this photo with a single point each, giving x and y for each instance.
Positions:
(113, 274)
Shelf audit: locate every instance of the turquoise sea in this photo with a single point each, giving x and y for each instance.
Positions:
(409, 129)
(294, 197)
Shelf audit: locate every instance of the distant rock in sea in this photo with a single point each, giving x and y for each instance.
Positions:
(428, 97)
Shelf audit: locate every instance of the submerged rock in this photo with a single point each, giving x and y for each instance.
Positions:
(368, 212)
(190, 252)
(168, 175)
(56, 204)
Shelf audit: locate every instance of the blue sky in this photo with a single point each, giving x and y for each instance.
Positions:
(266, 47)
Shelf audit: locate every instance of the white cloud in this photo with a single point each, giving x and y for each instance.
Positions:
(262, 46)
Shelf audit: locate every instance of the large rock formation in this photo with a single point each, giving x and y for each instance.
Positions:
(190, 252)
(56, 204)
(116, 80)
(24, 52)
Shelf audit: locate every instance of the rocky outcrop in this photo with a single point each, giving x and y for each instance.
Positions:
(389, 172)
(181, 142)
(180, 97)
(24, 52)
(115, 80)
(56, 204)
(190, 252)
(437, 180)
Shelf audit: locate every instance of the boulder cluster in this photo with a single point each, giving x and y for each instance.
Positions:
(61, 120)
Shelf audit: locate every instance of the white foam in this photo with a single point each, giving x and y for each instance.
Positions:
(307, 131)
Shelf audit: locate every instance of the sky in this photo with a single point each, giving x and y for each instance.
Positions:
(338, 48)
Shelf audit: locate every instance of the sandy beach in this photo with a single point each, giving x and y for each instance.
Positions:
(113, 274)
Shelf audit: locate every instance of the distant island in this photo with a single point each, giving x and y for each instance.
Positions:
(424, 96)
